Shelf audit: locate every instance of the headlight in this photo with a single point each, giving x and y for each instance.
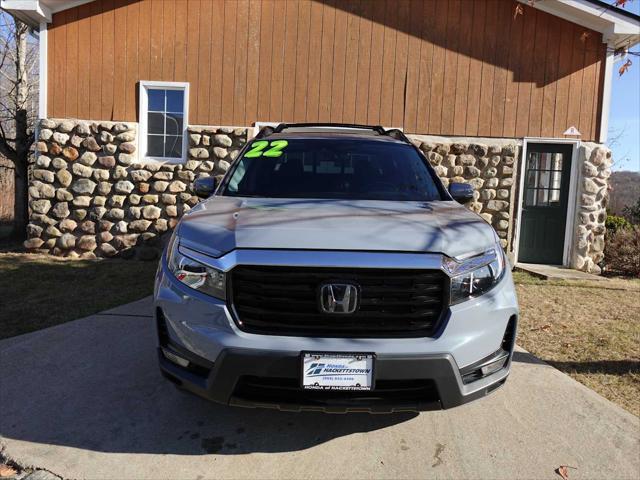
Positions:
(194, 274)
(474, 276)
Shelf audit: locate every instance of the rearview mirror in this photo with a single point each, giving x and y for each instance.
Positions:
(204, 187)
(461, 192)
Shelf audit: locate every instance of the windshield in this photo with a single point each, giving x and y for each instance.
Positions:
(332, 168)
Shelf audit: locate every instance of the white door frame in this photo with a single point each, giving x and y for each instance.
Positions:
(571, 200)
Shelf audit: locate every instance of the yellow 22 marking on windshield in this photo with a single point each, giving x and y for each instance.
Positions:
(257, 148)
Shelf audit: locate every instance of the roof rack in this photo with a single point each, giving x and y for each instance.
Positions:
(394, 133)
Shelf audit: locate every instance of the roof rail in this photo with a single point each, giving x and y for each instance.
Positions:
(393, 133)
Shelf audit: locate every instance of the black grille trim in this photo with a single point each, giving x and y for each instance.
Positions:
(279, 300)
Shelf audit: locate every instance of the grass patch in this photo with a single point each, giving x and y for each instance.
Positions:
(40, 291)
(587, 329)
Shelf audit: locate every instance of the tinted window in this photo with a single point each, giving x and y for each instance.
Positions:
(335, 168)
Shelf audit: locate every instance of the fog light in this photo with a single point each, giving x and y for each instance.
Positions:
(485, 367)
(183, 362)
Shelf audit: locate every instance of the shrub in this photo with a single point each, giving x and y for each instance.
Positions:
(615, 223)
(622, 251)
(632, 213)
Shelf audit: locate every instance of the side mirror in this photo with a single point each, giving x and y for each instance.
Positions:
(461, 192)
(204, 187)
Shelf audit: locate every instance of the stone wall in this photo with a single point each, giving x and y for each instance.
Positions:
(489, 167)
(591, 208)
(90, 196)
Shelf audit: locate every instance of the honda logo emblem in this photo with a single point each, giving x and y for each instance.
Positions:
(338, 298)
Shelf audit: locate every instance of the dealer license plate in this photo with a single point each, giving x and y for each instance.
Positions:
(337, 371)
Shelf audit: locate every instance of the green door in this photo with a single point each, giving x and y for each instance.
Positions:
(544, 203)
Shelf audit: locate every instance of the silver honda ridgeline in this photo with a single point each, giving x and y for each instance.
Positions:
(331, 270)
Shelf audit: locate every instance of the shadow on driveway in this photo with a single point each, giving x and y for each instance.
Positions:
(94, 384)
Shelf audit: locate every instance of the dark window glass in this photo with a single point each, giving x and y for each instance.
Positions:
(175, 101)
(173, 146)
(155, 146)
(335, 168)
(174, 124)
(165, 123)
(156, 100)
(156, 123)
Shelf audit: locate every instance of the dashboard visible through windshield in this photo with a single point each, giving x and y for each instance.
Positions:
(331, 169)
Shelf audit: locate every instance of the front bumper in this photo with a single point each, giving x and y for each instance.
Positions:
(233, 367)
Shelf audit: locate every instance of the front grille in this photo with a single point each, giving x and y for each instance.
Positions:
(398, 394)
(284, 301)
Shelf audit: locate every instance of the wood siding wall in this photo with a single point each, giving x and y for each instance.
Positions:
(440, 67)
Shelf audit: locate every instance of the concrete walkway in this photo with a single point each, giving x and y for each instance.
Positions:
(85, 400)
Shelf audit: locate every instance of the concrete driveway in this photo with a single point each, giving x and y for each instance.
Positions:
(85, 400)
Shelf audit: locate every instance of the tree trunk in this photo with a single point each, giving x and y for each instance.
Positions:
(23, 142)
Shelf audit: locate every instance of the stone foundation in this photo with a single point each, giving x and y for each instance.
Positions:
(90, 196)
(489, 167)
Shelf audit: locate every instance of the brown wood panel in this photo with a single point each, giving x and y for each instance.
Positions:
(515, 63)
(525, 72)
(450, 76)
(168, 40)
(240, 74)
(315, 56)
(289, 63)
(302, 61)
(193, 38)
(84, 65)
(539, 64)
(264, 68)
(326, 62)
(71, 66)
(466, 34)
(388, 63)
(156, 33)
(375, 73)
(438, 66)
(339, 58)
(277, 61)
(488, 69)
(424, 75)
(364, 62)
(131, 61)
(551, 75)
(413, 66)
(218, 12)
(475, 69)
(108, 47)
(428, 66)
(253, 60)
(95, 80)
(401, 60)
(204, 67)
(498, 103)
(119, 60)
(180, 42)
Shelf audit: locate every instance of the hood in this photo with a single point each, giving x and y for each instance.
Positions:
(221, 224)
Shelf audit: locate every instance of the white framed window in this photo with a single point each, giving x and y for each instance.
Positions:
(164, 119)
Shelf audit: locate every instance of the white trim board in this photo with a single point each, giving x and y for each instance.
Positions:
(42, 71)
(571, 201)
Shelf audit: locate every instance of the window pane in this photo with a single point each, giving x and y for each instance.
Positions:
(156, 100)
(156, 123)
(557, 161)
(554, 196)
(173, 146)
(175, 101)
(174, 124)
(155, 146)
(533, 160)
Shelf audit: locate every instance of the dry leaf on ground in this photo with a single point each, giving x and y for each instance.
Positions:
(7, 471)
(563, 471)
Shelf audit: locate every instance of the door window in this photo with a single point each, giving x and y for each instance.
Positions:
(543, 179)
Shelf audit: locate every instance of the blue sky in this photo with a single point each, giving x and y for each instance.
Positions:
(624, 117)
